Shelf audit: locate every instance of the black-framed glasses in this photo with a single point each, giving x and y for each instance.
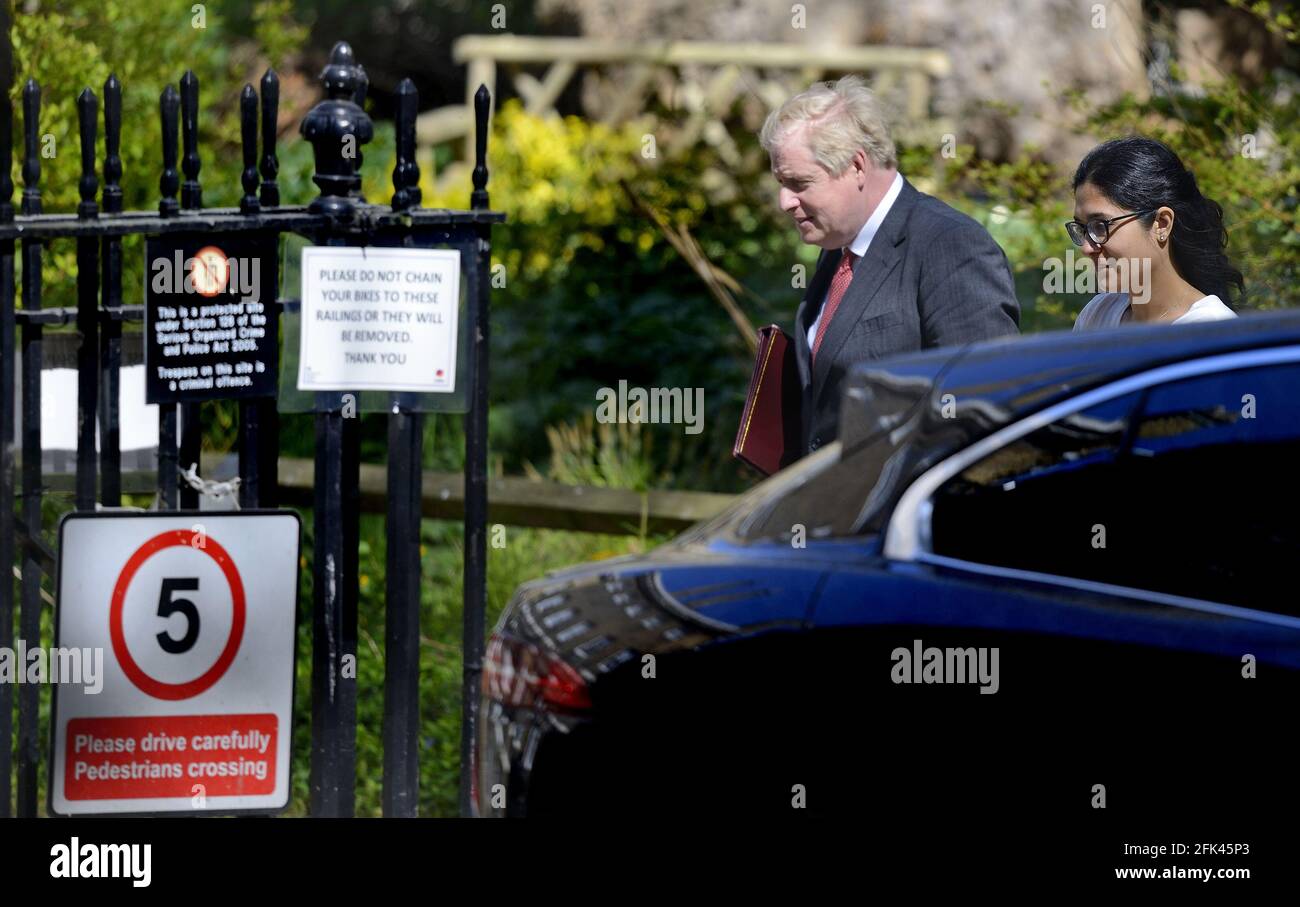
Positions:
(1098, 229)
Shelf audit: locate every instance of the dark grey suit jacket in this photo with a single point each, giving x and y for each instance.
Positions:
(932, 277)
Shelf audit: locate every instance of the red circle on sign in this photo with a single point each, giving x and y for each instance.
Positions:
(154, 687)
(211, 271)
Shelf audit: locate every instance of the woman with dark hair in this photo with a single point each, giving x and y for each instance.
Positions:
(1157, 244)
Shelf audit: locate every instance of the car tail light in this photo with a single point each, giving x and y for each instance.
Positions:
(519, 674)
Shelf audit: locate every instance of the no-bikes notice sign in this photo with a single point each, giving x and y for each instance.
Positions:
(379, 319)
(195, 614)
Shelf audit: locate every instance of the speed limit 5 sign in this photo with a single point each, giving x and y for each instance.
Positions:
(194, 613)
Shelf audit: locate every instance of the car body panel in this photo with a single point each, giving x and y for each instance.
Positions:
(739, 658)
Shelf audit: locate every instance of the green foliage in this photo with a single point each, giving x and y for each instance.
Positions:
(595, 294)
(605, 455)
(1245, 153)
(1282, 22)
(80, 43)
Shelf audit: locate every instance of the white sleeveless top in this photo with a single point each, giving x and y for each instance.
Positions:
(1106, 310)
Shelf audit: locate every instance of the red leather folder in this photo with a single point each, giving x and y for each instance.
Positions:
(768, 436)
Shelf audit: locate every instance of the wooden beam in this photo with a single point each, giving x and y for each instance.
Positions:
(512, 500)
(526, 49)
(452, 121)
(540, 97)
(518, 501)
(630, 94)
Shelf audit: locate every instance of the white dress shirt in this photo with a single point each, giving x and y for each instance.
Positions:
(862, 241)
(1107, 310)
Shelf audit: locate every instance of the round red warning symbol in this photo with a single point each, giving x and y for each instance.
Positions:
(151, 685)
(211, 271)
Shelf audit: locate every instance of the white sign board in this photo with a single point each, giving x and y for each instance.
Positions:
(193, 616)
(379, 319)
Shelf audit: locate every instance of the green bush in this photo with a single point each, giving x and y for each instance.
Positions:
(593, 294)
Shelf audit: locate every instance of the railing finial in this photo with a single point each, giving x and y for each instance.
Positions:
(87, 107)
(270, 117)
(169, 104)
(337, 128)
(31, 152)
(112, 145)
(248, 136)
(406, 172)
(482, 101)
(191, 191)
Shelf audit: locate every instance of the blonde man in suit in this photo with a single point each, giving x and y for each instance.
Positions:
(899, 270)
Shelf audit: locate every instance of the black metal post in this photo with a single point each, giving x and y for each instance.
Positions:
(402, 621)
(268, 452)
(329, 126)
(249, 427)
(268, 417)
(87, 309)
(168, 184)
(29, 620)
(249, 462)
(7, 398)
(476, 455)
(191, 200)
(334, 621)
(110, 338)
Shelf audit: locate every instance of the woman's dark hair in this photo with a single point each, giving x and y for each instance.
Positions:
(1139, 174)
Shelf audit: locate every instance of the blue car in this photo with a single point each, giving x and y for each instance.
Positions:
(1046, 575)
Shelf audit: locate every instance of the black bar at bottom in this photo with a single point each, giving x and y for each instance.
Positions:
(402, 621)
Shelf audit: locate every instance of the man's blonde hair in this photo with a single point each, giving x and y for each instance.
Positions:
(841, 117)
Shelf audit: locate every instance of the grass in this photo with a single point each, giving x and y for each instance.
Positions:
(525, 554)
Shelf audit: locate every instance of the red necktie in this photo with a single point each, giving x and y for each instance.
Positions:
(839, 283)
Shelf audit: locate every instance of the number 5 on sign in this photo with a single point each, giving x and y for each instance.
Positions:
(167, 606)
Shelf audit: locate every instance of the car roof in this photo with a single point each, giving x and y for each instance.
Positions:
(1019, 375)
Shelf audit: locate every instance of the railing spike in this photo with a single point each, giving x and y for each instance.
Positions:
(248, 136)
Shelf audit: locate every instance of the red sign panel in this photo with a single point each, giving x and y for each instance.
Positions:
(166, 756)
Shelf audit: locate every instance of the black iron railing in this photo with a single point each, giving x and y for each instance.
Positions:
(337, 216)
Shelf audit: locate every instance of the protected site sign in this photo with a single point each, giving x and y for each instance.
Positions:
(381, 319)
(211, 328)
(195, 615)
